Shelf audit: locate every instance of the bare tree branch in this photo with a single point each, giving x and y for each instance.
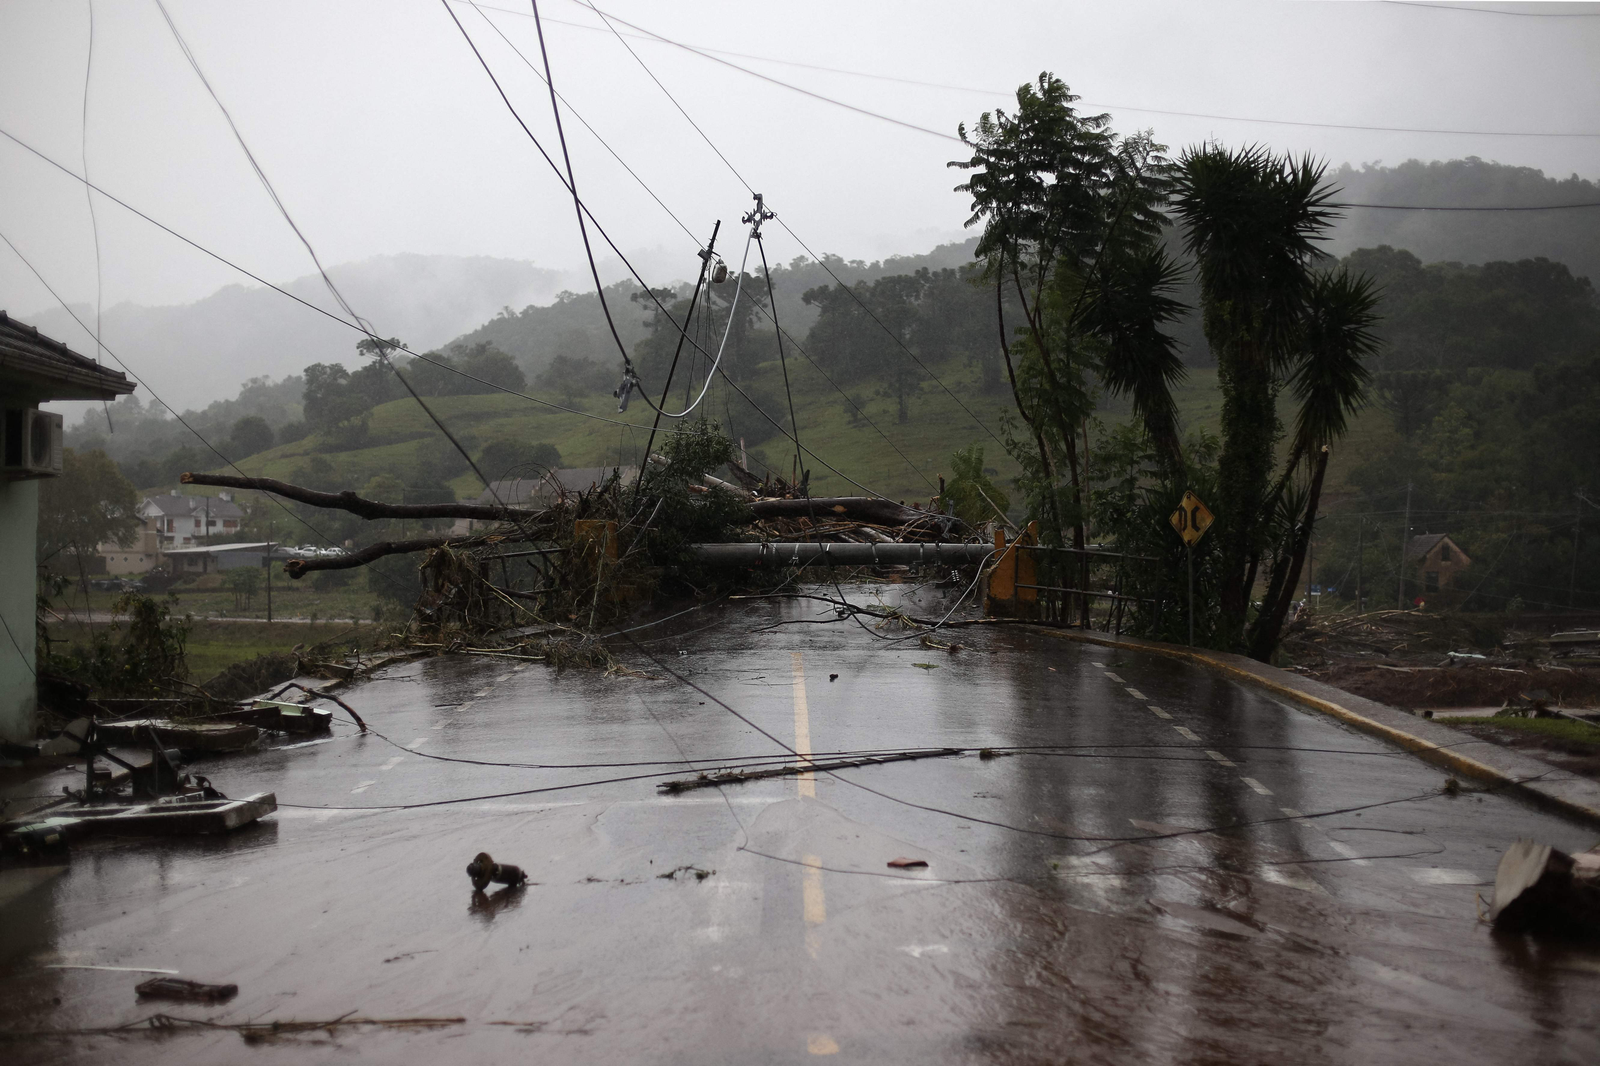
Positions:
(349, 501)
(296, 568)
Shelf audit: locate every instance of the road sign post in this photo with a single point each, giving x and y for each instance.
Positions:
(1191, 520)
(1188, 549)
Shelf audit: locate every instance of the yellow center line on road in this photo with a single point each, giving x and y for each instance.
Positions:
(816, 904)
(802, 728)
(813, 901)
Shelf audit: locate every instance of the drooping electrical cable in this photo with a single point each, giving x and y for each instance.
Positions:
(704, 52)
(682, 328)
(154, 395)
(698, 344)
(88, 197)
(280, 290)
(379, 346)
(789, 230)
(727, 332)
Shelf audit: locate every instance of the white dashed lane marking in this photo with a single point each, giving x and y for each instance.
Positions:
(362, 787)
(392, 763)
(1343, 849)
(1159, 713)
(1136, 694)
(1257, 785)
(1114, 677)
(1348, 852)
(1221, 758)
(1185, 733)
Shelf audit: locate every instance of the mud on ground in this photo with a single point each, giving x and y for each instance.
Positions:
(1421, 661)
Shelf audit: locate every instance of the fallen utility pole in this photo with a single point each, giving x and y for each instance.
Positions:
(856, 508)
(356, 505)
(735, 777)
(801, 553)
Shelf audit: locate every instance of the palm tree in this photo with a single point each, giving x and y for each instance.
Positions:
(1252, 222)
(1329, 377)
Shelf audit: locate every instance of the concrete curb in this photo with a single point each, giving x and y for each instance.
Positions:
(1523, 775)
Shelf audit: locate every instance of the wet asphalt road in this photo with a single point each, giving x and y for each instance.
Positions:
(1065, 915)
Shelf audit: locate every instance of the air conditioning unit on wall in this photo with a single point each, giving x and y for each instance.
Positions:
(32, 443)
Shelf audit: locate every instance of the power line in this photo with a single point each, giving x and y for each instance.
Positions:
(689, 233)
(577, 204)
(146, 386)
(682, 328)
(88, 196)
(381, 346)
(285, 292)
(1489, 207)
(1497, 10)
(784, 84)
(323, 311)
(706, 53)
(574, 112)
(787, 229)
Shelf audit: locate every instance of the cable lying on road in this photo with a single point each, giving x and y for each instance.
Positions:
(1107, 842)
(734, 777)
(252, 1032)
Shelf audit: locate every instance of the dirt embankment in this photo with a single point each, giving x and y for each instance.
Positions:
(1418, 687)
(1417, 660)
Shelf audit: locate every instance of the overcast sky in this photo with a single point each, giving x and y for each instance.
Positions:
(382, 134)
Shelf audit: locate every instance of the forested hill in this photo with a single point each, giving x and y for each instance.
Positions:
(574, 325)
(1571, 237)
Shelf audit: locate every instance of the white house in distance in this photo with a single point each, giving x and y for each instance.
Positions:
(33, 369)
(180, 521)
(171, 522)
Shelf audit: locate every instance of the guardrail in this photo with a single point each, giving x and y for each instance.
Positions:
(1056, 584)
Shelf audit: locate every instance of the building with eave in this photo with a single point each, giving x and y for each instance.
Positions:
(34, 369)
(1436, 559)
(180, 521)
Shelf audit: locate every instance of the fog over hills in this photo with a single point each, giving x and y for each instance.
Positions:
(248, 331)
(197, 353)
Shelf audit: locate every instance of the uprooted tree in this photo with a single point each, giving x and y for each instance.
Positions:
(582, 556)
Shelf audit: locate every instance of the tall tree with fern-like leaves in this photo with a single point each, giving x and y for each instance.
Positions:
(1274, 320)
(1072, 217)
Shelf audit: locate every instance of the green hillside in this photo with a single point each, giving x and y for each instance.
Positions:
(937, 426)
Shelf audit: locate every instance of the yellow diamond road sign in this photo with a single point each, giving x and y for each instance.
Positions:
(1192, 519)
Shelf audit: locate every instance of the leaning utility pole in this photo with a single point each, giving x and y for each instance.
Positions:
(1361, 532)
(1405, 542)
(1577, 537)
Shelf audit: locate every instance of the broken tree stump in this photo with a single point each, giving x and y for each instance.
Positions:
(1539, 889)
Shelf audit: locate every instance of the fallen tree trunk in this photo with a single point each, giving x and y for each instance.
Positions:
(1538, 889)
(296, 568)
(349, 501)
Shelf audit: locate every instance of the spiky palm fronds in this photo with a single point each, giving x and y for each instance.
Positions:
(1128, 304)
(1252, 222)
(1330, 375)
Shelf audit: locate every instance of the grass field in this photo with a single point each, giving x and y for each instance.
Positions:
(216, 645)
(938, 425)
(290, 600)
(1582, 734)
